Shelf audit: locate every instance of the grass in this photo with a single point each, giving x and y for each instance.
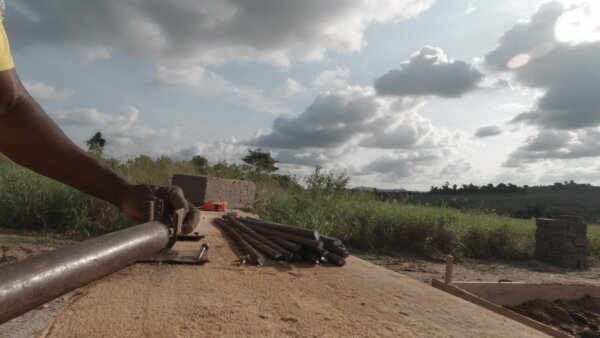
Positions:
(28, 200)
(365, 222)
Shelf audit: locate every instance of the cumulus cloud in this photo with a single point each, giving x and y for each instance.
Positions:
(330, 121)
(122, 128)
(567, 71)
(208, 31)
(228, 150)
(354, 119)
(407, 131)
(207, 82)
(470, 7)
(335, 78)
(93, 117)
(557, 144)
(487, 131)
(289, 88)
(400, 166)
(429, 72)
(42, 91)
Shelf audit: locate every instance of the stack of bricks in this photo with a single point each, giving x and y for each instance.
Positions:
(562, 242)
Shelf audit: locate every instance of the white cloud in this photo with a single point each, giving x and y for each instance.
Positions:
(429, 72)
(208, 31)
(557, 144)
(289, 88)
(206, 82)
(335, 78)
(568, 73)
(487, 131)
(42, 91)
(470, 7)
(228, 150)
(93, 117)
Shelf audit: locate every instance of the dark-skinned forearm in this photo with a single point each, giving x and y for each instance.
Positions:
(30, 138)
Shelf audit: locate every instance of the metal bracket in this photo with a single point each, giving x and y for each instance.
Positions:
(172, 257)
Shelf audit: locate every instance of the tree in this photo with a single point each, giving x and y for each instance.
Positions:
(96, 144)
(321, 181)
(200, 162)
(261, 160)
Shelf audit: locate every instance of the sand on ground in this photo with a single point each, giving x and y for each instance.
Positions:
(223, 298)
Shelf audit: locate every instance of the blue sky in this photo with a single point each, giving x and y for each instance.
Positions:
(408, 93)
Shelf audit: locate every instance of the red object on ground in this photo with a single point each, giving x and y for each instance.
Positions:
(215, 206)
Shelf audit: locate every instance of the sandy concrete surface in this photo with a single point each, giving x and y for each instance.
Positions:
(223, 298)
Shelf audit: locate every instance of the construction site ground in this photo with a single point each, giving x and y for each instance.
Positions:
(224, 298)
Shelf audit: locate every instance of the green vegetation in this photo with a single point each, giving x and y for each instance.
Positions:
(567, 198)
(323, 202)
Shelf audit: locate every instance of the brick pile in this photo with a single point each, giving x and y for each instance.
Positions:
(562, 242)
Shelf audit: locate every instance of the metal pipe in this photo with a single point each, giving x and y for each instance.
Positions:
(244, 228)
(312, 234)
(29, 283)
(307, 242)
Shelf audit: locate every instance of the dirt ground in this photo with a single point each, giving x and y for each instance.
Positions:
(579, 317)
(425, 270)
(225, 299)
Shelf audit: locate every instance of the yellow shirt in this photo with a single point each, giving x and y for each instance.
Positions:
(6, 60)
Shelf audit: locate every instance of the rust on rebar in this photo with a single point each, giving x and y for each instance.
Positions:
(287, 255)
(307, 242)
(254, 255)
(312, 234)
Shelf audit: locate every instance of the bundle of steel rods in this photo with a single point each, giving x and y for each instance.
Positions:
(259, 239)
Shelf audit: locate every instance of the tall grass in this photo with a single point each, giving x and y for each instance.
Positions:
(28, 200)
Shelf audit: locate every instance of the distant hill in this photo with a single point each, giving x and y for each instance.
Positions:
(372, 189)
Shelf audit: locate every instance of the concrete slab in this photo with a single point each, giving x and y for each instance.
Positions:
(224, 299)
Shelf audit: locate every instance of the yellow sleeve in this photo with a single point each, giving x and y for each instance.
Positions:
(6, 60)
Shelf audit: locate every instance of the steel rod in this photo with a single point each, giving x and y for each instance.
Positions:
(257, 244)
(287, 255)
(311, 243)
(27, 284)
(291, 246)
(246, 248)
(312, 234)
(331, 241)
(335, 259)
(338, 250)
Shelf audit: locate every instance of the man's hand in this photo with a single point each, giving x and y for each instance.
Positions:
(135, 197)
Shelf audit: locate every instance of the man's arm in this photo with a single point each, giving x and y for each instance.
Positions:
(30, 138)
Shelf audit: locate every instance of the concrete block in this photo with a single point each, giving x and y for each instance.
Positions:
(542, 222)
(199, 189)
(576, 219)
(582, 234)
(558, 224)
